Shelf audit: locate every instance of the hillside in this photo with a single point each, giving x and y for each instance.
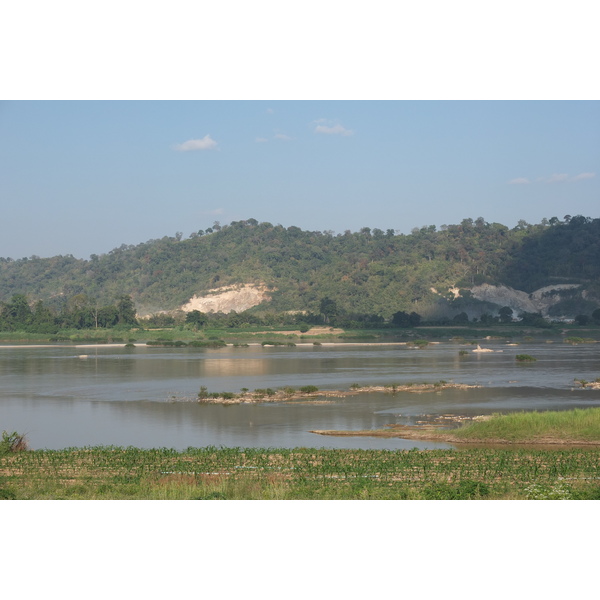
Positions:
(367, 272)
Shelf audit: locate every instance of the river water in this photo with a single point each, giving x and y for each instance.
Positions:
(64, 396)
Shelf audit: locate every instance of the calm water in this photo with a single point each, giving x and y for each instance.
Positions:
(137, 397)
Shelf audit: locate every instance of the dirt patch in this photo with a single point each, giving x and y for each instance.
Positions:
(228, 299)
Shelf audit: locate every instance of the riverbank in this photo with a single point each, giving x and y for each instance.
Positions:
(579, 427)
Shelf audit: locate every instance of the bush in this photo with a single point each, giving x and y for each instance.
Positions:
(309, 389)
(13, 442)
(525, 358)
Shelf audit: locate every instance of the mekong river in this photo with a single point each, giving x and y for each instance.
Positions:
(144, 396)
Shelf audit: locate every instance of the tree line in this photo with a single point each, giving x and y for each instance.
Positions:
(80, 312)
(368, 272)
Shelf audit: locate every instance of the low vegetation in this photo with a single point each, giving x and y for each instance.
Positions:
(525, 358)
(559, 428)
(578, 425)
(300, 473)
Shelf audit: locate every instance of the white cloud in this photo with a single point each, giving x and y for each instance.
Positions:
(336, 129)
(261, 140)
(583, 176)
(206, 143)
(282, 136)
(556, 178)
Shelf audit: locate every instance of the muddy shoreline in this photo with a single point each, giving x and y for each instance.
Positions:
(432, 433)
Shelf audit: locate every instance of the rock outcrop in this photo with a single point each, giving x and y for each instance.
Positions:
(539, 301)
(228, 299)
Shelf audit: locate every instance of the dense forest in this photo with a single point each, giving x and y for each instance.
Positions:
(369, 272)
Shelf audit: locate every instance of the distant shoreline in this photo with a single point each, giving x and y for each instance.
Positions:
(144, 345)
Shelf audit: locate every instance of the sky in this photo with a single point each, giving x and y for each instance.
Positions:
(84, 177)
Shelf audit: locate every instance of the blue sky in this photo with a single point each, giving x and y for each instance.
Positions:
(83, 177)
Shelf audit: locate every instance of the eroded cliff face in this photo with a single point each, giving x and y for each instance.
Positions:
(228, 299)
(539, 301)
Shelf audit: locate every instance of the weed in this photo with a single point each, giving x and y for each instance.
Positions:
(560, 491)
(465, 490)
(13, 442)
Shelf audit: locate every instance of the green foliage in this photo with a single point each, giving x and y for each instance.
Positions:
(355, 280)
(525, 358)
(464, 490)
(309, 389)
(13, 442)
(196, 318)
(577, 424)
(404, 319)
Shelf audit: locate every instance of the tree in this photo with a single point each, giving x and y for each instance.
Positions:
(461, 318)
(126, 311)
(328, 308)
(505, 314)
(404, 319)
(17, 313)
(401, 319)
(196, 318)
(108, 316)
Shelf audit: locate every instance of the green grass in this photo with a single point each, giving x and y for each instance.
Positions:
(569, 425)
(301, 473)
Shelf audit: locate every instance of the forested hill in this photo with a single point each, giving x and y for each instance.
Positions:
(369, 271)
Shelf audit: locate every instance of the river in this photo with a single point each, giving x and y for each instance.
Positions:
(64, 396)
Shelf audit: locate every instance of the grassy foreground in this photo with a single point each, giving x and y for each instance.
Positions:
(278, 474)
